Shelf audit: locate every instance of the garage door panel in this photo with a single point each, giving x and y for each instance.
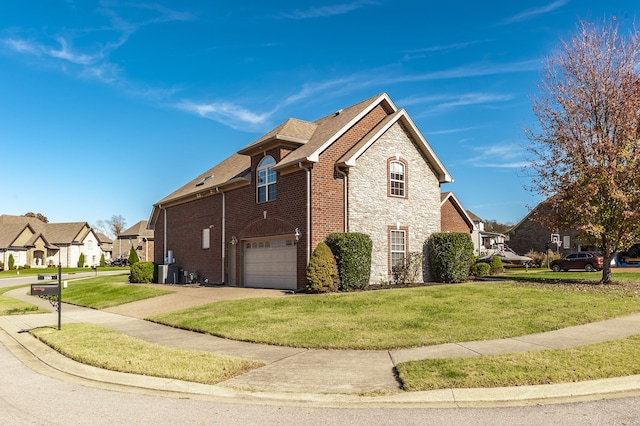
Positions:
(270, 264)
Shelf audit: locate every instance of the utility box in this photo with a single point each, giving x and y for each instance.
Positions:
(163, 273)
(173, 274)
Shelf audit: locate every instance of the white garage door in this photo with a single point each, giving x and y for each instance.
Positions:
(270, 264)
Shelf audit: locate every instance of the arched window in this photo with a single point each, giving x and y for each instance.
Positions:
(397, 179)
(266, 185)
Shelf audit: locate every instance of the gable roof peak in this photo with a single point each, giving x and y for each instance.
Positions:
(293, 131)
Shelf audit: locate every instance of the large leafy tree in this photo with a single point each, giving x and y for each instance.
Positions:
(586, 150)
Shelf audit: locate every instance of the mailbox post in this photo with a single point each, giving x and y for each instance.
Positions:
(52, 293)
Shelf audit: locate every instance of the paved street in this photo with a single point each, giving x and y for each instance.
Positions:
(286, 390)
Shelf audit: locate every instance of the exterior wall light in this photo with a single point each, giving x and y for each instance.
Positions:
(234, 240)
(298, 234)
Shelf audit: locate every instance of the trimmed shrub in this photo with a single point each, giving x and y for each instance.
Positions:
(480, 269)
(496, 266)
(352, 251)
(450, 256)
(11, 262)
(411, 271)
(142, 272)
(102, 262)
(133, 256)
(81, 261)
(322, 272)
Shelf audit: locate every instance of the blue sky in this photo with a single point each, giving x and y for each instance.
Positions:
(108, 106)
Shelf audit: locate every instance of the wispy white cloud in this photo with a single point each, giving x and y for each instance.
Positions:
(506, 155)
(227, 113)
(470, 70)
(94, 63)
(67, 54)
(534, 12)
(313, 89)
(440, 103)
(443, 47)
(325, 11)
(451, 131)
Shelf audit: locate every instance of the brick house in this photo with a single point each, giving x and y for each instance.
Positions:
(529, 234)
(254, 219)
(138, 236)
(453, 217)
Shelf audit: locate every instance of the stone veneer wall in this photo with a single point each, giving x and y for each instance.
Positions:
(373, 212)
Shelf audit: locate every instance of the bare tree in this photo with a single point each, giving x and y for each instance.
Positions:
(38, 216)
(586, 151)
(116, 224)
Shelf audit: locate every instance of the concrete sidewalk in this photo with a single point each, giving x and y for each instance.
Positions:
(310, 375)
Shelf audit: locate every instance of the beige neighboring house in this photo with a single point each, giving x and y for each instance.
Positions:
(38, 244)
(483, 241)
(140, 237)
(106, 244)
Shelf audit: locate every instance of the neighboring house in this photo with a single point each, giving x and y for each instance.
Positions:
(453, 217)
(529, 234)
(254, 219)
(106, 244)
(483, 241)
(138, 236)
(38, 244)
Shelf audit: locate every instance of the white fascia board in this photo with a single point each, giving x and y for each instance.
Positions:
(315, 156)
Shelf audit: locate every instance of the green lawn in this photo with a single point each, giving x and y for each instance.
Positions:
(543, 274)
(106, 291)
(11, 306)
(383, 319)
(581, 363)
(404, 318)
(104, 348)
(54, 271)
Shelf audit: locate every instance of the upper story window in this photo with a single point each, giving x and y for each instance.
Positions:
(397, 179)
(266, 185)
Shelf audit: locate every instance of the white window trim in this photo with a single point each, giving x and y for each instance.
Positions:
(266, 165)
(403, 181)
(396, 251)
(206, 238)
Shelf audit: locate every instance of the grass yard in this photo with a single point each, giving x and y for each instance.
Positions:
(54, 271)
(404, 318)
(104, 348)
(542, 274)
(106, 291)
(11, 306)
(582, 363)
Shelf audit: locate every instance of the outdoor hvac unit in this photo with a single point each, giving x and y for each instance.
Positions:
(163, 273)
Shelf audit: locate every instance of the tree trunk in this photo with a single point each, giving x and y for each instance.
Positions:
(606, 269)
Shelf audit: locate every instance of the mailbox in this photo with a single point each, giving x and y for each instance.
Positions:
(44, 290)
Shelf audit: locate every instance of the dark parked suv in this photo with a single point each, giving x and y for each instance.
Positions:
(588, 260)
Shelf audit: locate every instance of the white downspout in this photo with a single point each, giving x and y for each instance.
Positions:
(224, 232)
(164, 235)
(346, 198)
(308, 225)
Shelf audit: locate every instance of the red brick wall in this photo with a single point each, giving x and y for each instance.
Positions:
(451, 220)
(328, 206)
(185, 223)
(244, 219)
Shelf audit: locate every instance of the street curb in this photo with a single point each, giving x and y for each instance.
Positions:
(44, 360)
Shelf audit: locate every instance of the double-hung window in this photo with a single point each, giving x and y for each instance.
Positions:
(398, 247)
(266, 185)
(397, 179)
